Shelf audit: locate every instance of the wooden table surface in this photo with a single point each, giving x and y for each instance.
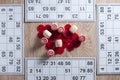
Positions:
(32, 48)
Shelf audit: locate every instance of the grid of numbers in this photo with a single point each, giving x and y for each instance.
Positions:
(11, 39)
(59, 10)
(60, 69)
(108, 39)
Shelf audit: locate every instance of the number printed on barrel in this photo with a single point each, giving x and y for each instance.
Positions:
(60, 69)
(108, 39)
(11, 39)
(59, 10)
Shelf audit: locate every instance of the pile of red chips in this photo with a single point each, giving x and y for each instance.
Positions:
(69, 40)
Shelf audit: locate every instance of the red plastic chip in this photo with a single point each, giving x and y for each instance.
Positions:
(82, 38)
(50, 45)
(40, 28)
(44, 40)
(50, 52)
(59, 50)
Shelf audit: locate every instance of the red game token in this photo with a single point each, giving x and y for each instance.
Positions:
(54, 27)
(69, 45)
(82, 38)
(66, 32)
(60, 29)
(76, 43)
(70, 48)
(44, 40)
(40, 28)
(50, 52)
(75, 36)
(67, 26)
(40, 35)
(48, 27)
(59, 50)
(50, 44)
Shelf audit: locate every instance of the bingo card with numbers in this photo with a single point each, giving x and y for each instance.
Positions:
(108, 24)
(59, 10)
(60, 69)
(11, 39)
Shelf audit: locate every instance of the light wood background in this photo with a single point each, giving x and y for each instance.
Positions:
(32, 47)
